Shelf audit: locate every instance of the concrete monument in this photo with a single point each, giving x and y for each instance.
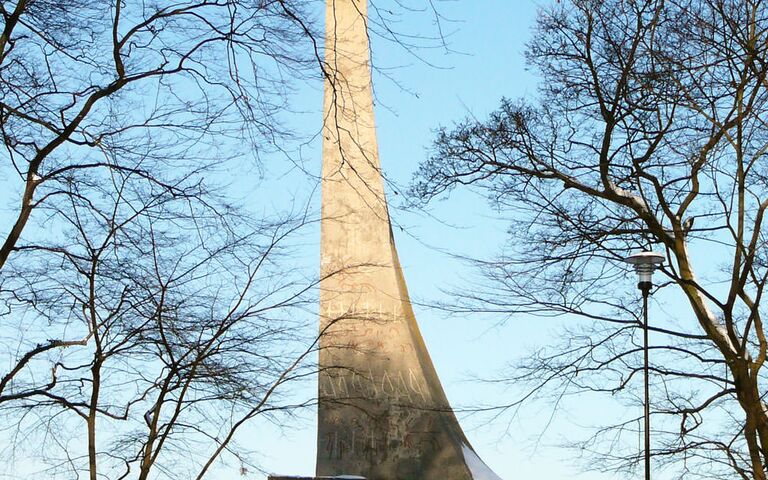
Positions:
(383, 413)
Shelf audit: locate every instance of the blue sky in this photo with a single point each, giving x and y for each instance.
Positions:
(487, 39)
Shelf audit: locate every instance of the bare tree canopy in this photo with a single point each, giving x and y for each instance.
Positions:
(146, 317)
(648, 131)
(137, 86)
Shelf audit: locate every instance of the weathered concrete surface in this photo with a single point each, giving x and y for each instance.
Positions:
(383, 413)
(340, 477)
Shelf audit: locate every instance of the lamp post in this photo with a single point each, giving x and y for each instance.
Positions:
(645, 263)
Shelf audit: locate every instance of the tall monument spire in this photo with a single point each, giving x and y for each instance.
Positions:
(383, 413)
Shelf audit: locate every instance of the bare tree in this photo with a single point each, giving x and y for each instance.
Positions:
(152, 335)
(648, 132)
(140, 86)
(145, 318)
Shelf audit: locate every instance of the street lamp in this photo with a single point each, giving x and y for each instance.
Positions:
(645, 263)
